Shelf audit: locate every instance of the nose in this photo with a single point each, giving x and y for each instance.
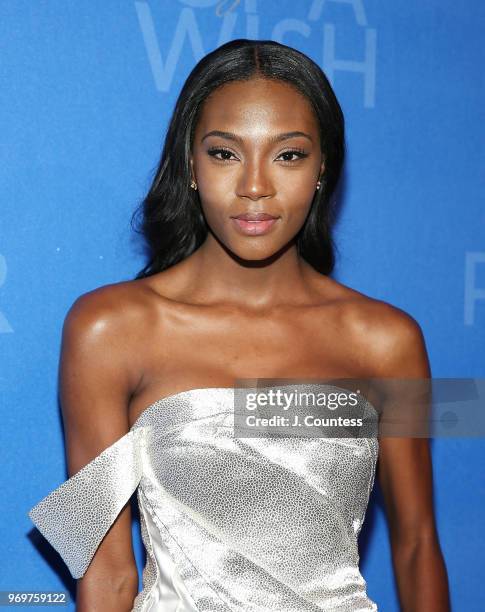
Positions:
(254, 181)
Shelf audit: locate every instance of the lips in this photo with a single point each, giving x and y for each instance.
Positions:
(254, 224)
(255, 217)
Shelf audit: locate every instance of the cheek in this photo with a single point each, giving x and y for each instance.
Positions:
(298, 203)
(216, 213)
(215, 186)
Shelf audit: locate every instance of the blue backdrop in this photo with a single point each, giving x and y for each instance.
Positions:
(87, 91)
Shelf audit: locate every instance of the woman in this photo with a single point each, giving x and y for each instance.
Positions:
(238, 224)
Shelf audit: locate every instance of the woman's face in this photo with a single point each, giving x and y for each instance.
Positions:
(256, 150)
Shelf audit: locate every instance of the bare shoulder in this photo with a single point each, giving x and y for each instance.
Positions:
(390, 337)
(109, 308)
(111, 320)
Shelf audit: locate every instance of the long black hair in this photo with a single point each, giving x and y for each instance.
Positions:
(170, 217)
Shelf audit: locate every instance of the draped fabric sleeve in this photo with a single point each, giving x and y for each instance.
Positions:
(76, 516)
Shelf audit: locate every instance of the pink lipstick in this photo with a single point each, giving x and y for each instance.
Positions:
(254, 224)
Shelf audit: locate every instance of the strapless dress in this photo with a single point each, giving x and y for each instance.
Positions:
(228, 523)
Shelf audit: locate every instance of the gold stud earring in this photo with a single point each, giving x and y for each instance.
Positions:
(193, 184)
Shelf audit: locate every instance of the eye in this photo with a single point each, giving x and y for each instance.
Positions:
(214, 151)
(226, 154)
(300, 153)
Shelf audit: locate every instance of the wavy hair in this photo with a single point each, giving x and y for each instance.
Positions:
(170, 217)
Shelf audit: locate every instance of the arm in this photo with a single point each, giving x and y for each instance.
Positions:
(405, 477)
(95, 385)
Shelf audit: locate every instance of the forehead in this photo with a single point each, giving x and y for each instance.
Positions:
(247, 106)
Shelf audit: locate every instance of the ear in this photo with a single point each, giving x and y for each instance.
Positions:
(191, 162)
(322, 166)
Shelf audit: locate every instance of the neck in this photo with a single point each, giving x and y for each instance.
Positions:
(219, 276)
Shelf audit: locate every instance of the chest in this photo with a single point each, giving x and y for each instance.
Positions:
(280, 344)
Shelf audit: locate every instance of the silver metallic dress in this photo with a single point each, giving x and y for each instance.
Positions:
(228, 523)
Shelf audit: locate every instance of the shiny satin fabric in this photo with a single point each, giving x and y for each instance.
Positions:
(246, 524)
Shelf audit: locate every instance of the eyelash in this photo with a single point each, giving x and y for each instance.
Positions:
(300, 152)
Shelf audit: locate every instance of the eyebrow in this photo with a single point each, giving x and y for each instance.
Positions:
(236, 138)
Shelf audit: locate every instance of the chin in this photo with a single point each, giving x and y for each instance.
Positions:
(256, 249)
(252, 248)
